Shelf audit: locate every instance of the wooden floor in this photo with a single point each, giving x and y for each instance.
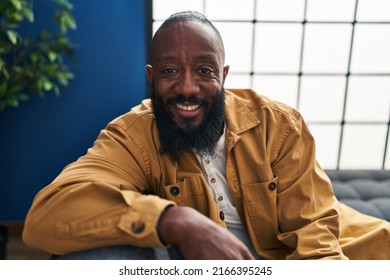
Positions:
(17, 250)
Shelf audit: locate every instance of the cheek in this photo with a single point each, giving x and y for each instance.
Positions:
(211, 86)
(164, 89)
(211, 92)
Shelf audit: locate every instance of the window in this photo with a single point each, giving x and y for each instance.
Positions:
(329, 59)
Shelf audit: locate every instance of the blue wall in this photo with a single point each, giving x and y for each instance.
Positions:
(43, 135)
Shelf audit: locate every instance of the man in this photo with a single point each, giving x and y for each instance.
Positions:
(217, 174)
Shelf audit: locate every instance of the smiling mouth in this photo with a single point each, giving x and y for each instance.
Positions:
(187, 107)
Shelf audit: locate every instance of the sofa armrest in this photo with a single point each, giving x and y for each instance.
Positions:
(367, 191)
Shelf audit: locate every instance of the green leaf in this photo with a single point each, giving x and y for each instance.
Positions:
(28, 13)
(18, 69)
(65, 20)
(15, 17)
(12, 36)
(52, 56)
(17, 4)
(56, 90)
(3, 88)
(34, 58)
(34, 64)
(15, 88)
(13, 101)
(64, 3)
(70, 21)
(62, 79)
(5, 73)
(69, 75)
(47, 85)
(23, 97)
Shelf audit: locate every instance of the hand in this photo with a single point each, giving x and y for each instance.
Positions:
(197, 237)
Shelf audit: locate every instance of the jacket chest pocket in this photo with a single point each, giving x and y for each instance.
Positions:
(190, 192)
(260, 204)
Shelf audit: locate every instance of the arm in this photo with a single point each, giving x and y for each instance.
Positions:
(197, 237)
(99, 200)
(308, 212)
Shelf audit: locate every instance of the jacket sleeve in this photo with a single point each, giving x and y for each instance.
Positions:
(308, 211)
(99, 200)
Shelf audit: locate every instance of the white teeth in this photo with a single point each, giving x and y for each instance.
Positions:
(187, 108)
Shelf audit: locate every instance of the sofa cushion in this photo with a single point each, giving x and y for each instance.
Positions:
(368, 191)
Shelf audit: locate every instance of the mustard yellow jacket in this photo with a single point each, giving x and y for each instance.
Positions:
(117, 191)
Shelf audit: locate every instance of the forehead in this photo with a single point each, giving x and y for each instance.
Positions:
(186, 38)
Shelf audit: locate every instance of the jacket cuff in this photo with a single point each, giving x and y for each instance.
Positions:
(141, 220)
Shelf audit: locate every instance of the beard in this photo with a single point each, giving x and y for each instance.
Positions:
(200, 139)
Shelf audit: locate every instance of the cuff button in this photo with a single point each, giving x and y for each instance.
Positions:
(137, 227)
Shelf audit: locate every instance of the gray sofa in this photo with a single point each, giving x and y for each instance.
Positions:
(365, 190)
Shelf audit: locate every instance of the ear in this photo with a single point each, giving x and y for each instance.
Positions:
(149, 72)
(225, 72)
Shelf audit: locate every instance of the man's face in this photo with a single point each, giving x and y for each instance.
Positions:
(187, 72)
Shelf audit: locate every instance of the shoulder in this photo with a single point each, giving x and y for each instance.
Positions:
(262, 107)
(138, 117)
(137, 126)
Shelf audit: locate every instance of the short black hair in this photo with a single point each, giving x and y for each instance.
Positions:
(190, 16)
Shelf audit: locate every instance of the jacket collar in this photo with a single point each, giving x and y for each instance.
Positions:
(239, 117)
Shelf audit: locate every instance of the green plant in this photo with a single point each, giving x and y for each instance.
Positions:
(33, 64)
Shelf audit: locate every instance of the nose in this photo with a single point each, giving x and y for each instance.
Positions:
(187, 85)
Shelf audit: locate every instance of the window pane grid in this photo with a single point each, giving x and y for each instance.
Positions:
(356, 20)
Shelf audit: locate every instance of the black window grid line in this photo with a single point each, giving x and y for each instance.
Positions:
(343, 122)
(346, 90)
(254, 21)
(293, 21)
(301, 56)
(306, 74)
(386, 145)
(347, 122)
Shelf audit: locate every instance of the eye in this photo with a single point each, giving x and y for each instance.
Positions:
(169, 70)
(205, 70)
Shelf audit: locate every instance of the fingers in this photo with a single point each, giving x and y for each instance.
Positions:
(215, 244)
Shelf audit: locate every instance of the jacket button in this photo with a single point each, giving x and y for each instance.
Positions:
(174, 191)
(222, 215)
(272, 186)
(137, 227)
